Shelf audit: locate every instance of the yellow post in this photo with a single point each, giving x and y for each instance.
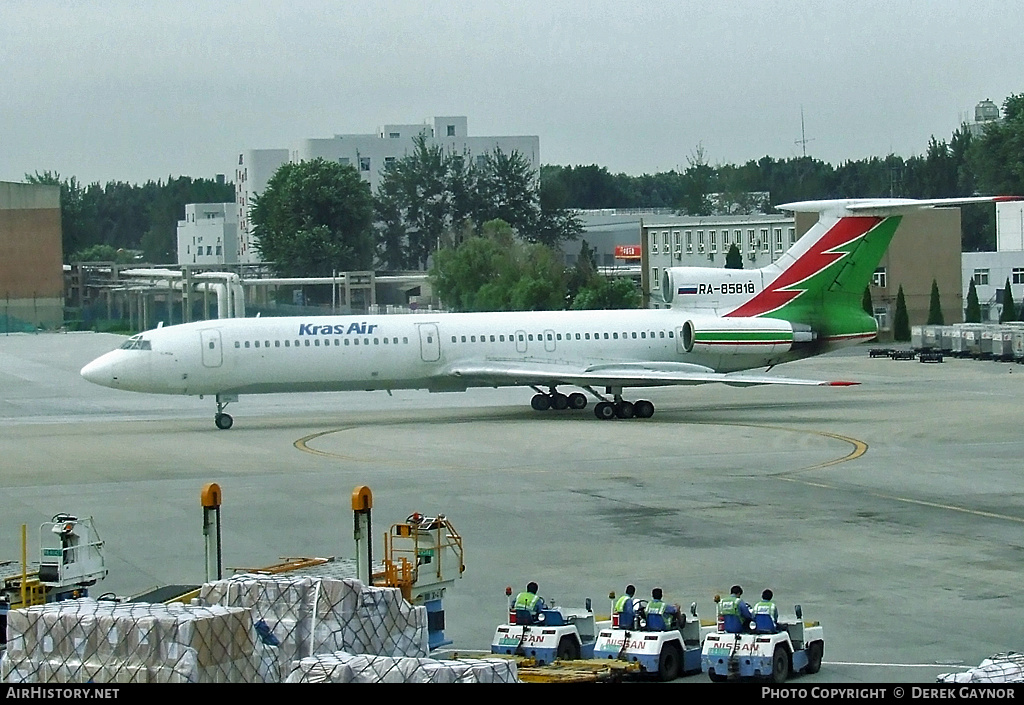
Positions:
(24, 564)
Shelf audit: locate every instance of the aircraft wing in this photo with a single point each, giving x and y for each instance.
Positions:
(624, 374)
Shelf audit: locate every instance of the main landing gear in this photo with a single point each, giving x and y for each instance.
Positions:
(622, 409)
(558, 401)
(604, 409)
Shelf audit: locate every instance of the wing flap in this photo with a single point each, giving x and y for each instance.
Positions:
(653, 374)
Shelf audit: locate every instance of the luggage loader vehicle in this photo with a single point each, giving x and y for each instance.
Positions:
(666, 650)
(556, 633)
(794, 646)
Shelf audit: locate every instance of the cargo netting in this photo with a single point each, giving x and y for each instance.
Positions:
(89, 641)
(300, 617)
(341, 667)
(1000, 668)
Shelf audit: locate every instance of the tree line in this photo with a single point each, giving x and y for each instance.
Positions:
(433, 199)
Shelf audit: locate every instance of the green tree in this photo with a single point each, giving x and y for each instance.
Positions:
(866, 303)
(496, 271)
(935, 317)
(1009, 312)
(901, 322)
(608, 293)
(315, 218)
(973, 312)
(102, 253)
(733, 258)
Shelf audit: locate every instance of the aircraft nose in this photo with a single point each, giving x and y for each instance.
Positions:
(100, 371)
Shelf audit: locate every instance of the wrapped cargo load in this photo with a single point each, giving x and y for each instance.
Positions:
(342, 667)
(298, 617)
(1000, 668)
(85, 641)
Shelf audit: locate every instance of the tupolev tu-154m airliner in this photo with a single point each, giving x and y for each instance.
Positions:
(720, 326)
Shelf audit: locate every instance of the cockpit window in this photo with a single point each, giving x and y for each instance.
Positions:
(136, 343)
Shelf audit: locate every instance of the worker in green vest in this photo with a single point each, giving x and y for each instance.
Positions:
(766, 614)
(734, 611)
(529, 601)
(668, 613)
(624, 608)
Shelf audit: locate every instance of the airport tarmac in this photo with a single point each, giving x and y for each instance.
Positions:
(893, 511)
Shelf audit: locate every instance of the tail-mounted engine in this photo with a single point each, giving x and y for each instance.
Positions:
(743, 336)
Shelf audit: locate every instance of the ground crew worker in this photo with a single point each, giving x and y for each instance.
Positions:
(766, 614)
(735, 611)
(529, 601)
(625, 609)
(668, 612)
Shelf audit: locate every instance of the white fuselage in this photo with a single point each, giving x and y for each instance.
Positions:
(337, 353)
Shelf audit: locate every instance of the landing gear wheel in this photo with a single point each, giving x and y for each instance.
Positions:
(780, 665)
(643, 409)
(223, 421)
(577, 401)
(604, 410)
(559, 402)
(814, 653)
(541, 402)
(715, 677)
(669, 663)
(624, 410)
(568, 649)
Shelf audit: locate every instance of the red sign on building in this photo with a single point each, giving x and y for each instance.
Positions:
(627, 252)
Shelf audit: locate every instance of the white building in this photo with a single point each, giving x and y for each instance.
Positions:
(991, 270)
(369, 153)
(209, 234)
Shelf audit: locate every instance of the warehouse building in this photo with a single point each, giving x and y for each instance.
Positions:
(31, 257)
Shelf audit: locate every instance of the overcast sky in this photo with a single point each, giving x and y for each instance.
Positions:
(130, 91)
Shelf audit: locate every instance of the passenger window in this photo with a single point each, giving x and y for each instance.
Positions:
(634, 335)
(355, 341)
(405, 340)
(317, 342)
(395, 341)
(501, 338)
(661, 334)
(615, 336)
(385, 341)
(287, 343)
(463, 339)
(277, 343)
(307, 342)
(376, 341)
(247, 343)
(238, 344)
(454, 340)
(472, 339)
(606, 336)
(558, 336)
(346, 341)
(530, 336)
(492, 338)
(266, 343)
(549, 338)
(670, 334)
(577, 336)
(643, 334)
(587, 336)
(256, 344)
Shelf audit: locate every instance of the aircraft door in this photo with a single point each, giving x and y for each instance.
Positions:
(521, 341)
(430, 342)
(213, 354)
(549, 341)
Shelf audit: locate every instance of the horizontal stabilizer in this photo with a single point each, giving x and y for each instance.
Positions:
(885, 206)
